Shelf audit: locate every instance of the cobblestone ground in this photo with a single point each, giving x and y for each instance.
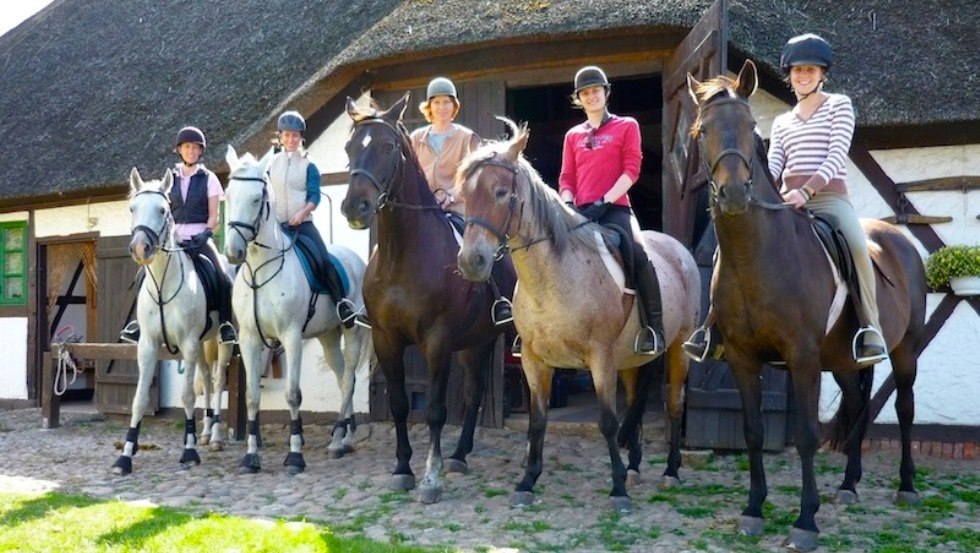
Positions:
(350, 495)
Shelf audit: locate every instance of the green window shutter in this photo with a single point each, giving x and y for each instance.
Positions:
(13, 263)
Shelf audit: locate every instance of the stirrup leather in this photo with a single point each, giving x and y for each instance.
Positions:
(493, 311)
(860, 338)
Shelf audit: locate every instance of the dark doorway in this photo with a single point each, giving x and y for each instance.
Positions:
(549, 113)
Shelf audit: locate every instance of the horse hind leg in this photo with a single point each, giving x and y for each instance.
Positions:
(343, 367)
(905, 367)
(636, 383)
(476, 364)
(676, 370)
(217, 368)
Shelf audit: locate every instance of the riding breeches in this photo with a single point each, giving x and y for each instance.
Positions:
(838, 208)
(647, 284)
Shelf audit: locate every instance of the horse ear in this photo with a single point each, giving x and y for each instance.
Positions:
(135, 181)
(168, 181)
(231, 158)
(692, 87)
(748, 80)
(396, 111)
(352, 110)
(518, 143)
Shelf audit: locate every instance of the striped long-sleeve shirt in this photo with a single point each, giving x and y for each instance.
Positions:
(814, 151)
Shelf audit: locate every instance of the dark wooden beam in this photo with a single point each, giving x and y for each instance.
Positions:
(964, 184)
(953, 433)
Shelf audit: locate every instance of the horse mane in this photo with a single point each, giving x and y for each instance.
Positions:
(550, 218)
(709, 90)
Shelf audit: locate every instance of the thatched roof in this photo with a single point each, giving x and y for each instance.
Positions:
(93, 87)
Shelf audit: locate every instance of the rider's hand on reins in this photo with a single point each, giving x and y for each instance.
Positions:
(795, 198)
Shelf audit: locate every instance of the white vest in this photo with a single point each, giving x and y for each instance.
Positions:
(287, 179)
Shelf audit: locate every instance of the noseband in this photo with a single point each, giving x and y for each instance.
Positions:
(711, 167)
(503, 239)
(156, 237)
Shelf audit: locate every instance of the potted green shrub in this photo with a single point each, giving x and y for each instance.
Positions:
(958, 266)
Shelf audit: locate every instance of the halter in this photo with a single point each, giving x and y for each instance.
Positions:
(154, 236)
(713, 185)
(249, 278)
(386, 197)
(503, 239)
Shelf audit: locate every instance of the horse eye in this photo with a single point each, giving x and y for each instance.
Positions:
(162, 211)
(501, 193)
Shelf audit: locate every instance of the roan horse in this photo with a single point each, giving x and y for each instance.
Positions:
(773, 290)
(572, 309)
(272, 300)
(412, 291)
(171, 309)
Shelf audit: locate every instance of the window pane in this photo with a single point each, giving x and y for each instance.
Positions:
(13, 239)
(15, 263)
(13, 288)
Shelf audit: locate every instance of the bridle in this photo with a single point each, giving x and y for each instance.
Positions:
(386, 197)
(249, 277)
(711, 167)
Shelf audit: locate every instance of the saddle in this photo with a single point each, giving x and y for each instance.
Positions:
(323, 271)
(207, 273)
(621, 243)
(836, 246)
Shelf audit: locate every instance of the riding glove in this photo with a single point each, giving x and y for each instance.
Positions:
(202, 238)
(595, 211)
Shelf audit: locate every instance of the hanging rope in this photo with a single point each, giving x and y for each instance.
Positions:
(65, 360)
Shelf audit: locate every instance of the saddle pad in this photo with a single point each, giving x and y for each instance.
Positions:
(614, 269)
(313, 265)
(840, 287)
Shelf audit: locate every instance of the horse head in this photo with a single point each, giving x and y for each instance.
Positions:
(377, 153)
(152, 220)
(725, 130)
(248, 201)
(488, 180)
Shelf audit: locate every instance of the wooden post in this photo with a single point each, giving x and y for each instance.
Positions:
(237, 412)
(50, 402)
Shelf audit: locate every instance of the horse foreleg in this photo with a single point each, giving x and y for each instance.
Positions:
(604, 379)
(750, 390)
(538, 376)
(849, 427)
(476, 364)
(202, 388)
(192, 356)
(293, 345)
(146, 357)
(806, 388)
(676, 374)
(437, 358)
(636, 384)
(905, 366)
(343, 368)
(391, 358)
(253, 358)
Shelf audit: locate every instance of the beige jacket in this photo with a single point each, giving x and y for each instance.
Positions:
(440, 170)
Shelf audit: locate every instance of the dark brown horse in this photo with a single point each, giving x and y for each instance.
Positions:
(412, 291)
(772, 291)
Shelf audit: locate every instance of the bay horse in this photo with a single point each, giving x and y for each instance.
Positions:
(171, 309)
(412, 291)
(772, 291)
(572, 309)
(273, 300)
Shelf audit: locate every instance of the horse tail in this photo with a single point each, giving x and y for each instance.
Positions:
(844, 429)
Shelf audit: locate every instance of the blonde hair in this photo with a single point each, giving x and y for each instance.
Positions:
(426, 109)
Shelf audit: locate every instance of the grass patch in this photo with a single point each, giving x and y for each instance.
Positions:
(490, 492)
(531, 527)
(85, 524)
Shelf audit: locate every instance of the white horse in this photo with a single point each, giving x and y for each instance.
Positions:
(171, 310)
(272, 301)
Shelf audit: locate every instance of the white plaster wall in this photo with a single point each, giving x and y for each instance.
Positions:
(13, 216)
(13, 375)
(106, 218)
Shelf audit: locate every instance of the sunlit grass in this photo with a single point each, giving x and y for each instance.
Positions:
(56, 522)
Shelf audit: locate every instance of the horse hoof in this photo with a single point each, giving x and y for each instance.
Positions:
(402, 482)
(250, 464)
(621, 503)
(455, 465)
(907, 498)
(668, 482)
(293, 470)
(190, 458)
(845, 497)
(217, 446)
(522, 499)
(123, 466)
(336, 452)
(294, 462)
(204, 440)
(751, 526)
(633, 478)
(802, 540)
(429, 496)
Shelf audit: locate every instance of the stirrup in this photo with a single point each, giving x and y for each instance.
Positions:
(872, 358)
(234, 333)
(506, 303)
(657, 346)
(361, 320)
(131, 332)
(695, 349)
(515, 348)
(351, 319)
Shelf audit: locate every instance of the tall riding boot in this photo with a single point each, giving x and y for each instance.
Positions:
(650, 339)
(345, 307)
(226, 329)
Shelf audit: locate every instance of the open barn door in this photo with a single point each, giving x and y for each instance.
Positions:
(714, 415)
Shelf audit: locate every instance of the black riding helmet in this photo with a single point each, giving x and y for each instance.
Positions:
(191, 134)
(590, 75)
(808, 49)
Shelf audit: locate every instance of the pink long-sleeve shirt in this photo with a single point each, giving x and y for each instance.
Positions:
(590, 168)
